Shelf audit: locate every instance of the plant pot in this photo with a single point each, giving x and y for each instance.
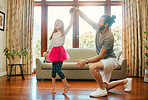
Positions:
(16, 60)
(146, 75)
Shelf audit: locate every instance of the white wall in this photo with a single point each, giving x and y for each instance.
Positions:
(3, 8)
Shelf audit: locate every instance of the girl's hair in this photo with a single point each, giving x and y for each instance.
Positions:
(55, 30)
(110, 20)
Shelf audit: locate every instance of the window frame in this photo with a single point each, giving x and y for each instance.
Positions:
(44, 17)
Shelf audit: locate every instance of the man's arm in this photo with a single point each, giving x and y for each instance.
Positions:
(84, 16)
(81, 63)
(99, 57)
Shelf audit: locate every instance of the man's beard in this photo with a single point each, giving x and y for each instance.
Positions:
(101, 28)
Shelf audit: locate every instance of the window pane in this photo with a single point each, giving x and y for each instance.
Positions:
(117, 27)
(59, 0)
(62, 13)
(86, 32)
(36, 34)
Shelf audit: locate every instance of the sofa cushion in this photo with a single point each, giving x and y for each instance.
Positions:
(47, 61)
(80, 53)
(118, 54)
(68, 66)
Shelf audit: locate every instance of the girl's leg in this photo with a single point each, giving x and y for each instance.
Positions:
(66, 85)
(62, 76)
(53, 78)
(53, 85)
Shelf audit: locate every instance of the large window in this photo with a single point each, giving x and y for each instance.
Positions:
(117, 27)
(81, 35)
(37, 34)
(60, 12)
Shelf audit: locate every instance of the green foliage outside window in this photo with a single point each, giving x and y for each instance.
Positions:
(37, 49)
(117, 38)
(87, 40)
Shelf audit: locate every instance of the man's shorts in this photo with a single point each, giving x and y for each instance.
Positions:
(109, 65)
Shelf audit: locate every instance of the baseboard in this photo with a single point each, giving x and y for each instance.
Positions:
(3, 73)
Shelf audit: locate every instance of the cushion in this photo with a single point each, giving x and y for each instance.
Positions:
(47, 61)
(80, 53)
(118, 54)
(66, 66)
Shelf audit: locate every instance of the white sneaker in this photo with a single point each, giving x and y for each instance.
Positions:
(128, 85)
(98, 93)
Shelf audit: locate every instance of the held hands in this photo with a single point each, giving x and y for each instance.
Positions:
(80, 63)
(73, 10)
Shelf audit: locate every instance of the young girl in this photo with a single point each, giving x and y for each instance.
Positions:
(56, 52)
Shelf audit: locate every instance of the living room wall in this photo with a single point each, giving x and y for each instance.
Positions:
(3, 8)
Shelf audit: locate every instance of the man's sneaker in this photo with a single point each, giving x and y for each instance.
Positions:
(98, 93)
(128, 85)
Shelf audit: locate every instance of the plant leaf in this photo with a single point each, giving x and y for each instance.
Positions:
(146, 58)
(146, 54)
(146, 63)
(146, 47)
(145, 41)
(146, 33)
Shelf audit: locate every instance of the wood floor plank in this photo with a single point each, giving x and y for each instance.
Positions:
(31, 89)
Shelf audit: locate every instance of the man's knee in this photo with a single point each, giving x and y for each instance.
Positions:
(105, 85)
(96, 66)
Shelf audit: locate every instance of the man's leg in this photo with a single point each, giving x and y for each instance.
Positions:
(94, 70)
(126, 82)
(114, 84)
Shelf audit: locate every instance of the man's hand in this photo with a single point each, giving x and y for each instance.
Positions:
(80, 63)
(72, 10)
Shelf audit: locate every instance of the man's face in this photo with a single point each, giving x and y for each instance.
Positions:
(101, 24)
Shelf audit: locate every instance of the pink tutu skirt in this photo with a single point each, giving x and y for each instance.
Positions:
(57, 54)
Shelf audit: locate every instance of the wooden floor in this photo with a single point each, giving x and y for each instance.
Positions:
(31, 89)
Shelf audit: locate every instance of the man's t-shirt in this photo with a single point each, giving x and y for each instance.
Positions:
(105, 41)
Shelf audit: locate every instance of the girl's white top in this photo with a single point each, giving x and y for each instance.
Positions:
(57, 40)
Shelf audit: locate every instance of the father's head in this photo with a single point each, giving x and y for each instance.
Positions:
(106, 21)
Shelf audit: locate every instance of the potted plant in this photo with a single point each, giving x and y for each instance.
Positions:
(15, 56)
(146, 58)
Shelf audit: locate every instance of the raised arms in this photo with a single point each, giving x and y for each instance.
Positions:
(70, 24)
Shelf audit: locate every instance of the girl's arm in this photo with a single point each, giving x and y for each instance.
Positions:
(50, 46)
(70, 24)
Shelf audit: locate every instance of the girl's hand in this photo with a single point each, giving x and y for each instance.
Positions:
(46, 54)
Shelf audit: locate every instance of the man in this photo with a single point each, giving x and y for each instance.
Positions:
(105, 62)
